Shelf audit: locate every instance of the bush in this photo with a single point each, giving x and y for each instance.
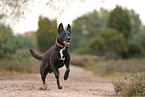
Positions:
(108, 42)
(8, 44)
(135, 49)
(134, 86)
(97, 46)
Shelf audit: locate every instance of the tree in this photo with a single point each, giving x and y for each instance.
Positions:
(14, 10)
(135, 22)
(8, 43)
(119, 19)
(108, 42)
(139, 37)
(46, 33)
(87, 27)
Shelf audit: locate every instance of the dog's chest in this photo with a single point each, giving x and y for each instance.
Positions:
(61, 53)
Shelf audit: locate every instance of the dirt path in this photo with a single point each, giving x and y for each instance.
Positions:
(79, 84)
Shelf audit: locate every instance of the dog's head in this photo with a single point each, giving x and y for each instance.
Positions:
(64, 36)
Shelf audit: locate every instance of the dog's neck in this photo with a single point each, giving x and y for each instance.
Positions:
(58, 44)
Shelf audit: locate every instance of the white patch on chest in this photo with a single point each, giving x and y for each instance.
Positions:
(61, 54)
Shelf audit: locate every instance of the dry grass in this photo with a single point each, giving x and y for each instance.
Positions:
(116, 66)
(21, 62)
(13, 66)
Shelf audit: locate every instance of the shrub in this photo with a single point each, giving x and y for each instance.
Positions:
(97, 46)
(135, 49)
(134, 86)
(8, 44)
(109, 42)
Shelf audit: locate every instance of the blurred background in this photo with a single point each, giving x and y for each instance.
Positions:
(108, 36)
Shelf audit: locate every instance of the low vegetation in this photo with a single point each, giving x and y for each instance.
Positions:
(21, 62)
(100, 66)
(128, 86)
(132, 86)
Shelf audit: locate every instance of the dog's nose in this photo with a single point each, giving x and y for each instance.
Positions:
(68, 39)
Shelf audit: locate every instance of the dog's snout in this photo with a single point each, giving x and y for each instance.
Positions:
(68, 38)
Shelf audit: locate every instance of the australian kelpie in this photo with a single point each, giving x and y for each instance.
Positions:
(56, 57)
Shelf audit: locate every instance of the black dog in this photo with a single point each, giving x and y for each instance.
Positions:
(56, 57)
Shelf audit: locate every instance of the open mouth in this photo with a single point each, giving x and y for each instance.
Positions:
(66, 42)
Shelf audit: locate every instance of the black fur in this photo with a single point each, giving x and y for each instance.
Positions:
(53, 59)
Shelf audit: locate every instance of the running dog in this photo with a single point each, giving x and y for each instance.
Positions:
(56, 57)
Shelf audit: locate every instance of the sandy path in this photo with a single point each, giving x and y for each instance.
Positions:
(79, 84)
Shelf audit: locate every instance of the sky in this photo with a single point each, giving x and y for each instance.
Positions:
(30, 23)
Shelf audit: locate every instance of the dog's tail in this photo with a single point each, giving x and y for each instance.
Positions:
(39, 57)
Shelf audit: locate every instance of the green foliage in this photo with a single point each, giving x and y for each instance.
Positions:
(120, 20)
(46, 33)
(86, 27)
(133, 86)
(139, 37)
(135, 22)
(8, 44)
(97, 45)
(108, 42)
(29, 39)
(135, 49)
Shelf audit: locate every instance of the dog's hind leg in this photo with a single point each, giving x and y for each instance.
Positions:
(58, 82)
(44, 72)
(56, 72)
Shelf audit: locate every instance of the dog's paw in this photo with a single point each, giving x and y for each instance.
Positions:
(65, 76)
(59, 87)
(44, 87)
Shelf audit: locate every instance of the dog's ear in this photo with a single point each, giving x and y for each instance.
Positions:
(69, 28)
(60, 27)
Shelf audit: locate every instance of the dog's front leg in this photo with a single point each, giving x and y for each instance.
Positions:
(56, 72)
(67, 71)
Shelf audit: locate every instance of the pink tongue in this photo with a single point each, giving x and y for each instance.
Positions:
(66, 42)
